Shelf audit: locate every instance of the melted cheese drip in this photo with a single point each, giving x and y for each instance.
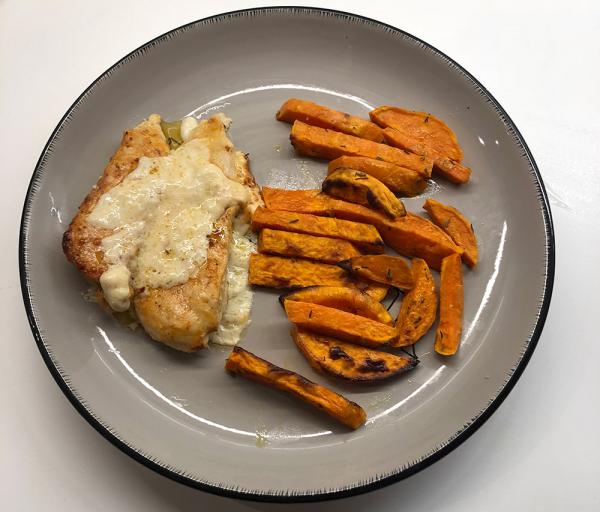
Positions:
(115, 284)
(236, 315)
(188, 124)
(161, 214)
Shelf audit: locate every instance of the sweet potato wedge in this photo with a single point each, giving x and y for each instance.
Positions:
(411, 235)
(451, 170)
(328, 144)
(400, 180)
(361, 188)
(339, 324)
(364, 236)
(453, 222)
(316, 202)
(317, 115)
(423, 134)
(416, 237)
(376, 291)
(349, 361)
(422, 126)
(246, 364)
(297, 245)
(447, 336)
(277, 272)
(418, 308)
(338, 297)
(381, 268)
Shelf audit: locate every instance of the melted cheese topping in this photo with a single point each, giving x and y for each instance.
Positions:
(187, 127)
(236, 315)
(115, 285)
(161, 214)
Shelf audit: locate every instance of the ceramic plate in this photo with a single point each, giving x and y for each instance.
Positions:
(182, 415)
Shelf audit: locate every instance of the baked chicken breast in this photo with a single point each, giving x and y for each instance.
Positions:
(156, 231)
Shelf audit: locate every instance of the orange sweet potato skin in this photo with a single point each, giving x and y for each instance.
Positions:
(344, 298)
(296, 245)
(324, 117)
(348, 361)
(450, 169)
(400, 180)
(339, 324)
(410, 235)
(276, 272)
(418, 308)
(322, 143)
(460, 229)
(448, 334)
(246, 364)
(380, 268)
(362, 235)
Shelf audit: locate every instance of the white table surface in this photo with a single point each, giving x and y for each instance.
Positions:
(539, 451)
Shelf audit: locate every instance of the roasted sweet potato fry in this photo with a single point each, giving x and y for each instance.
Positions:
(318, 203)
(418, 308)
(422, 126)
(451, 170)
(322, 143)
(381, 268)
(423, 134)
(447, 336)
(297, 245)
(349, 361)
(246, 364)
(453, 222)
(317, 115)
(276, 272)
(339, 324)
(416, 237)
(410, 235)
(376, 291)
(338, 297)
(400, 180)
(361, 188)
(364, 236)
